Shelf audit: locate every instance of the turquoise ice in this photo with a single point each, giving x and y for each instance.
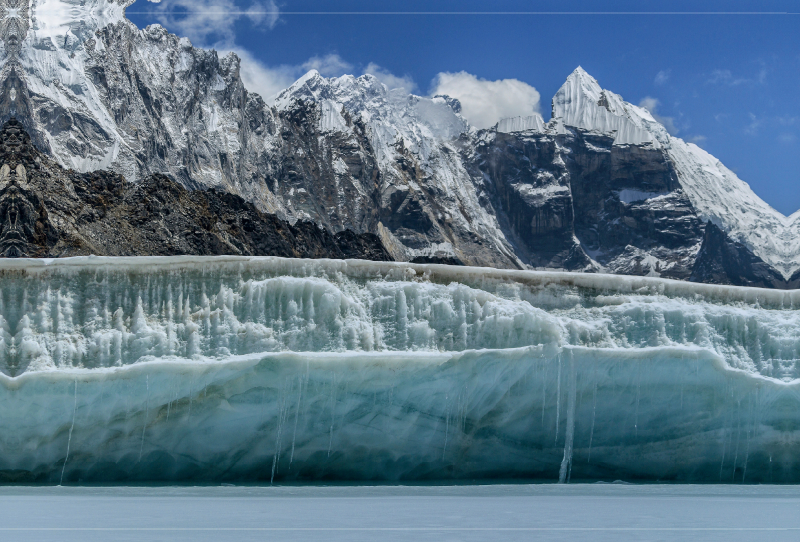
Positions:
(269, 369)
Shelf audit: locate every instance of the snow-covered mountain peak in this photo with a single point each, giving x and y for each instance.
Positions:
(717, 193)
(418, 119)
(581, 102)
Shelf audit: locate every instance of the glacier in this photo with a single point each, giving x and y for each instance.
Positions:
(245, 369)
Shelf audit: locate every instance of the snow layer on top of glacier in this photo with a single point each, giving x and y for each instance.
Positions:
(715, 191)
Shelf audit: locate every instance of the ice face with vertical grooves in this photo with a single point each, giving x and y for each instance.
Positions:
(520, 124)
(270, 369)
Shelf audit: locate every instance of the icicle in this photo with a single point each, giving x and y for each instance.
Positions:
(69, 438)
(296, 417)
(146, 412)
(277, 455)
(738, 434)
(333, 412)
(594, 412)
(566, 463)
(446, 425)
(191, 387)
(169, 402)
(638, 395)
(724, 445)
(558, 397)
(747, 450)
(544, 391)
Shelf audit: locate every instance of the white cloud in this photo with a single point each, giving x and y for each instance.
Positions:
(330, 65)
(263, 13)
(269, 81)
(651, 104)
(698, 140)
(754, 126)
(662, 77)
(262, 79)
(212, 21)
(483, 102)
(725, 77)
(390, 80)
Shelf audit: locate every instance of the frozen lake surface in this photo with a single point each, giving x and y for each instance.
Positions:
(498, 512)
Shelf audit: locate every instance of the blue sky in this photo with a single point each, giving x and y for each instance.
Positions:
(729, 82)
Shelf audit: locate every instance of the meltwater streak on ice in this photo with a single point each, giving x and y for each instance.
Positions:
(193, 368)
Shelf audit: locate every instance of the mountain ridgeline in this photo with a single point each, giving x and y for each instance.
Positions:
(46, 211)
(148, 145)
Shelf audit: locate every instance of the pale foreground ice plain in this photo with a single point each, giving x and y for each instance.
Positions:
(549, 512)
(278, 370)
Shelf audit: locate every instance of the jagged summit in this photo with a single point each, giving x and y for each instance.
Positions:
(583, 103)
(716, 192)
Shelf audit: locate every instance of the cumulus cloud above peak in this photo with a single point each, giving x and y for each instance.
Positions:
(485, 102)
(330, 65)
(210, 22)
(652, 105)
(391, 80)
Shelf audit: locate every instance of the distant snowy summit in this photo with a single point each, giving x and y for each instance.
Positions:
(600, 187)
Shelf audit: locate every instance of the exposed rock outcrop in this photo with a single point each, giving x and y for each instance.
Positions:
(723, 261)
(46, 211)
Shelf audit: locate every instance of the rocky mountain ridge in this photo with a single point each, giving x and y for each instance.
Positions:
(600, 187)
(47, 211)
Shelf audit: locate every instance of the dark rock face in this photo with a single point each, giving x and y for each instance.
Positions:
(724, 261)
(406, 210)
(531, 193)
(566, 198)
(444, 260)
(46, 211)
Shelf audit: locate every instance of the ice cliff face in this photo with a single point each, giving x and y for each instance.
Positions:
(269, 369)
(601, 186)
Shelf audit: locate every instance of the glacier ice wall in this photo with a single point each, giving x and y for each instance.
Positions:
(269, 369)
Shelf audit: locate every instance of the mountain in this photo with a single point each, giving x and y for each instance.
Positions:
(49, 212)
(600, 187)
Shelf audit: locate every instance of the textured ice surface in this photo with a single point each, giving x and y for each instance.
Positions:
(274, 369)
